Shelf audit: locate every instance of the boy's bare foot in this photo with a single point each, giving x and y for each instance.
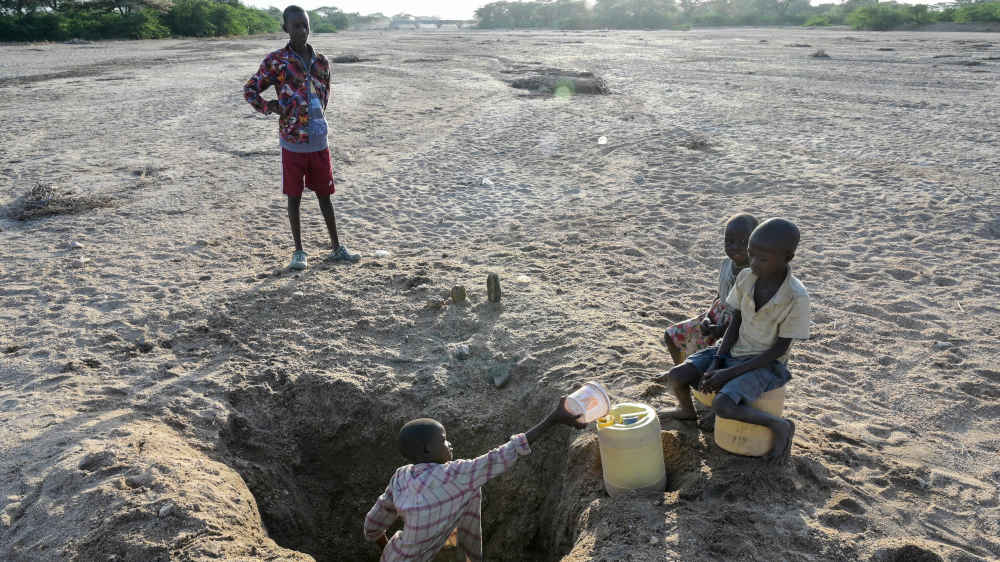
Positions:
(681, 414)
(782, 443)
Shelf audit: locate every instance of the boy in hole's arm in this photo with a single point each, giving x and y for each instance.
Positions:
(436, 494)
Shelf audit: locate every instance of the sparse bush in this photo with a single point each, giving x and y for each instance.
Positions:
(979, 12)
(818, 21)
(880, 17)
(112, 20)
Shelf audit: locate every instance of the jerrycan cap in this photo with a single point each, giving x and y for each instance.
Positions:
(608, 420)
(625, 416)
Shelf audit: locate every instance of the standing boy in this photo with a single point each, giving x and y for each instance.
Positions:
(436, 494)
(771, 308)
(301, 77)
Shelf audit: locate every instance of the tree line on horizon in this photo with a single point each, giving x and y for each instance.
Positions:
(683, 14)
(59, 20)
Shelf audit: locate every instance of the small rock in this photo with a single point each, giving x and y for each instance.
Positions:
(500, 378)
(820, 54)
(462, 352)
(74, 245)
(487, 182)
(523, 279)
(382, 253)
(941, 345)
(166, 510)
(142, 480)
(493, 287)
(205, 278)
(298, 294)
(602, 140)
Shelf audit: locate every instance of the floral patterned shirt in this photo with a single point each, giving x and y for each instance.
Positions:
(284, 70)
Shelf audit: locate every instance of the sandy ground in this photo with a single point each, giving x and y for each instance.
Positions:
(169, 391)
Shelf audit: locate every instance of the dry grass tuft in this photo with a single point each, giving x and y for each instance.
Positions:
(44, 200)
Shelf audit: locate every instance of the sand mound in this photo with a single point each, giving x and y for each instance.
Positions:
(562, 83)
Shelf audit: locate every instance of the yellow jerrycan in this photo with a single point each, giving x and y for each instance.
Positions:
(631, 450)
(746, 438)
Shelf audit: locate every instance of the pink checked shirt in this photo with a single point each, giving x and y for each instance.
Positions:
(434, 498)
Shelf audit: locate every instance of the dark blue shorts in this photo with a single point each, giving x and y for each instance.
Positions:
(750, 385)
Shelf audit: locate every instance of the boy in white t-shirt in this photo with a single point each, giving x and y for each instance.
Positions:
(771, 308)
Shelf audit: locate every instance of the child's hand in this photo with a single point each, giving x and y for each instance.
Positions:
(382, 541)
(273, 106)
(707, 328)
(562, 415)
(713, 380)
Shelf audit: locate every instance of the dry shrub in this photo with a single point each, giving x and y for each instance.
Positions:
(44, 200)
(696, 143)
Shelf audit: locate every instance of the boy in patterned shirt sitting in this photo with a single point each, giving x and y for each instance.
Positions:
(770, 309)
(436, 494)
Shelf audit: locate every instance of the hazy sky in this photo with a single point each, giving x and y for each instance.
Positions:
(447, 9)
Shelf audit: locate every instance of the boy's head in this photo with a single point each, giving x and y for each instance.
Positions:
(295, 22)
(738, 229)
(772, 246)
(424, 440)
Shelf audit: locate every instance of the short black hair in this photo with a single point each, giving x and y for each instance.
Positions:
(416, 435)
(293, 9)
(744, 221)
(781, 234)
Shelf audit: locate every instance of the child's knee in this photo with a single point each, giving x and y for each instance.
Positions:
(685, 373)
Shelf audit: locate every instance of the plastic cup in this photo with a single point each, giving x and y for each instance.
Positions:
(589, 402)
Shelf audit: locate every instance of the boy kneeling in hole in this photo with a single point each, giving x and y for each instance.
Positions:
(435, 495)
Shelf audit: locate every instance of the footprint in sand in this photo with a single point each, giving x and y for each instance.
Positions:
(879, 432)
(843, 521)
(850, 505)
(901, 274)
(942, 281)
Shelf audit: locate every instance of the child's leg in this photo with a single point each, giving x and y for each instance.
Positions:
(326, 206)
(679, 338)
(783, 429)
(293, 220)
(675, 352)
(681, 378)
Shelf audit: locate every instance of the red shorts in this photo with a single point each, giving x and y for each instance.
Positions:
(306, 169)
